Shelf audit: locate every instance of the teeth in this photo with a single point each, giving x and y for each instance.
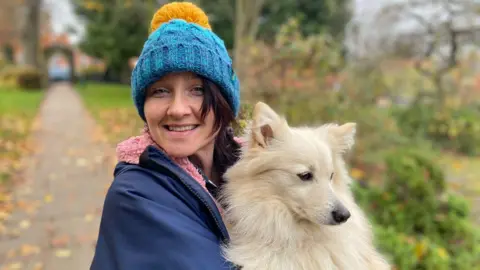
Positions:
(181, 128)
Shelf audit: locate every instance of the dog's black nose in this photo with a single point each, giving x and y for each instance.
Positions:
(340, 216)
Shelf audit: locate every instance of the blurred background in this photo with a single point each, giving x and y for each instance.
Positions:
(407, 71)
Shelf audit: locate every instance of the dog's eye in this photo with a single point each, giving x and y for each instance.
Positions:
(331, 176)
(305, 176)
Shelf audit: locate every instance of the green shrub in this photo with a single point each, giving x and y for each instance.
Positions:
(3, 62)
(244, 115)
(29, 78)
(457, 129)
(8, 54)
(417, 224)
(22, 77)
(8, 76)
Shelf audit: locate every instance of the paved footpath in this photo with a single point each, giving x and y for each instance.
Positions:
(57, 209)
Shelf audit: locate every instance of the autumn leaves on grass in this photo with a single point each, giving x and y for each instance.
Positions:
(17, 113)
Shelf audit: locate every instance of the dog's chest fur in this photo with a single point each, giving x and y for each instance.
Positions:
(327, 250)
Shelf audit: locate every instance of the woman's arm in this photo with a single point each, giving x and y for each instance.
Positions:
(142, 231)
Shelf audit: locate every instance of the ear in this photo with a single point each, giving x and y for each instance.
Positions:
(264, 121)
(342, 137)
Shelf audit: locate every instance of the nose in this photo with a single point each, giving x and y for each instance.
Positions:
(340, 215)
(178, 107)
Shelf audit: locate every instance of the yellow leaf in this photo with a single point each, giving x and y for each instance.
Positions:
(88, 217)
(4, 215)
(63, 253)
(38, 266)
(5, 197)
(24, 224)
(27, 250)
(15, 265)
(48, 198)
(442, 253)
(357, 173)
(81, 162)
(420, 249)
(457, 165)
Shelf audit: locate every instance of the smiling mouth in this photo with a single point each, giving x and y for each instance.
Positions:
(180, 128)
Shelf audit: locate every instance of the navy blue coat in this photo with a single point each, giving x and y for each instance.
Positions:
(157, 217)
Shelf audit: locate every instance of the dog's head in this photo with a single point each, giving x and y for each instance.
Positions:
(298, 167)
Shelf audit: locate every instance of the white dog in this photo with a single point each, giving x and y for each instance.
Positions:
(288, 202)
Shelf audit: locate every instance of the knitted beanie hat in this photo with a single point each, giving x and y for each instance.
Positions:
(181, 39)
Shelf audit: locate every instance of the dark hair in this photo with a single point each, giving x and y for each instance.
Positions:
(226, 150)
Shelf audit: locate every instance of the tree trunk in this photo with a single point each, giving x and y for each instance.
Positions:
(247, 13)
(31, 33)
(239, 30)
(441, 94)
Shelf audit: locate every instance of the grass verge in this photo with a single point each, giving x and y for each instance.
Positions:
(112, 107)
(18, 109)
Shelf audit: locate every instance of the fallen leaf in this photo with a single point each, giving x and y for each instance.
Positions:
(88, 217)
(8, 206)
(38, 266)
(357, 173)
(5, 197)
(81, 162)
(60, 241)
(48, 198)
(22, 204)
(27, 250)
(71, 152)
(4, 215)
(455, 186)
(63, 253)
(15, 265)
(457, 165)
(24, 224)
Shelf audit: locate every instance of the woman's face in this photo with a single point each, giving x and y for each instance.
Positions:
(173, 114)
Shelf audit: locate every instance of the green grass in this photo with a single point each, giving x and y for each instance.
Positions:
(15, 102)
(98, 96)
(113, 108)
(17, 110)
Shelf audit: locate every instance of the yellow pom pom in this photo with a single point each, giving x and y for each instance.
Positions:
(179, 10)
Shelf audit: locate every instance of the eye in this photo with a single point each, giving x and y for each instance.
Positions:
(160, 92)
(198, 91)
(331, 176)
(305, 176)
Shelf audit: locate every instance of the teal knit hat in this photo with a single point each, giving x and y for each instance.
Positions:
(180, 45)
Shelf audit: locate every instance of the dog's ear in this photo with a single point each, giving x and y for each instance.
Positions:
(263, 124)
(343, 136)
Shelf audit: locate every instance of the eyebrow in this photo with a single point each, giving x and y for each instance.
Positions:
(194, 76)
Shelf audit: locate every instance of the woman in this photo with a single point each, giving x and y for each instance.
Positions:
(160, 211)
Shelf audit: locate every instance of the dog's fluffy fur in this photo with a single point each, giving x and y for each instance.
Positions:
(281, 194)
